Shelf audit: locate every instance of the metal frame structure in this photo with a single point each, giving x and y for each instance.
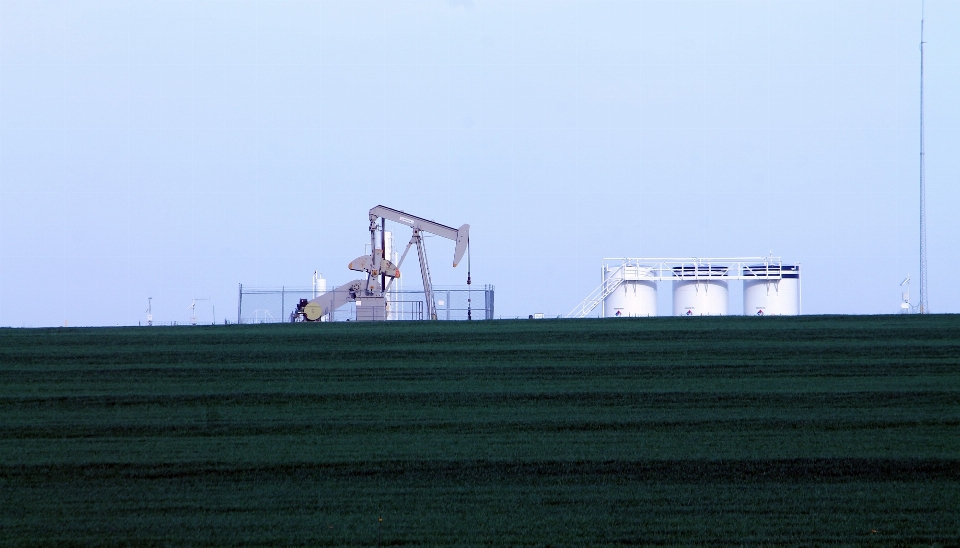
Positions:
(373, 292)
(419, 225)
(659, 269)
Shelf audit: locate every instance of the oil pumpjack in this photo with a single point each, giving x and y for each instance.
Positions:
(370, 294)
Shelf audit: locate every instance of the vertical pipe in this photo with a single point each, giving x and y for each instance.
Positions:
(383, 253)
(373, 253)
(239, 303)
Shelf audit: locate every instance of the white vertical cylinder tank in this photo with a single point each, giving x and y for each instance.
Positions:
(700, 291)
(388, 247)
(774, 292)
(636, 294)
(319, 284)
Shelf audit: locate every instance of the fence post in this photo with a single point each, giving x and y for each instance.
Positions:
(489, 301)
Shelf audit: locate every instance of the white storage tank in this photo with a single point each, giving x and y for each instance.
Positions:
(319, 284)
(700, 290)
(768, 296)
(636, 295)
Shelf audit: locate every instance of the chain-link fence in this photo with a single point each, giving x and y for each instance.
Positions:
(273, 304)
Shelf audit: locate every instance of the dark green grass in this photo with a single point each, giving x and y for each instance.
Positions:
(672, 431)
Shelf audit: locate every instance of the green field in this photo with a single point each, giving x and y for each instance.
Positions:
(803, 431)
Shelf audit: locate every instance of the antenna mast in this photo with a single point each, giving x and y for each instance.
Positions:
(923, 306)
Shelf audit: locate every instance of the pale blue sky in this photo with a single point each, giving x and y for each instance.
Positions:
(173, 149)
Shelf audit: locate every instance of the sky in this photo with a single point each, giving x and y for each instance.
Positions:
(175, 149)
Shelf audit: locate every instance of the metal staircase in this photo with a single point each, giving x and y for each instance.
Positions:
(598, 295)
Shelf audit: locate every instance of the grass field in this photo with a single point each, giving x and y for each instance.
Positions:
(803, 431)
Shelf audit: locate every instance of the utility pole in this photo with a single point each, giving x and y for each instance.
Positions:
(924, 307)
